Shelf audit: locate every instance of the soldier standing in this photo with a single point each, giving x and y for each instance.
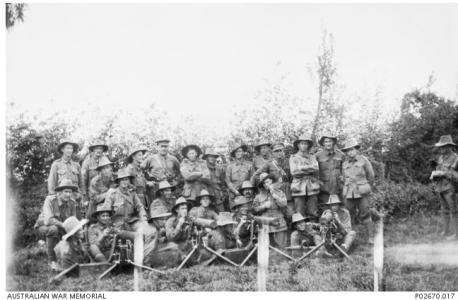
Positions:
(135, 159)
(194, 171)
(165, 196)
(330, 162)
(305, 185)
(444, 179)
(56, 209)
(90, 165)
(217, 178)
(358, 181)
(100, 185)
(263, 157)
(237, 172)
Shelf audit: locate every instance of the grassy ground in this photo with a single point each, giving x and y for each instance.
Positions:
(29, 271)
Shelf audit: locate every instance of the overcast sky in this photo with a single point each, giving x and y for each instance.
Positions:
(206, 59)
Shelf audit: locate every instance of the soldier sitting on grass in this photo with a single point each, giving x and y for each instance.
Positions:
(100, 234)
(305, 233)
(242, 214)
(204, 211)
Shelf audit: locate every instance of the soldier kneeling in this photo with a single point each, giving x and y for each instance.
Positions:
(101, 235)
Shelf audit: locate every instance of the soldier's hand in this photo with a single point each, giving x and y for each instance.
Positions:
(239, 243)
(106, 231)
(181, 221)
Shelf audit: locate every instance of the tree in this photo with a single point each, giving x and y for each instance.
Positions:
(14, 14)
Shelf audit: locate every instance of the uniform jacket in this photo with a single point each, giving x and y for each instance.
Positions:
(298, 236)
(219, 239)
(281, 172)
(330, 170)
(236, 173)
(55, 210)
(96, 237)
(304, 170)
(260, 161)
(70, 252)
(196, 177)
(205, 213)
(358, 177)
(217, 182)
(88, 171)
(277, 201)
(448, 164)
(178, 235)
(126, 205)
(163, 168)
(138, 181)
(61, 169)
(344, 217)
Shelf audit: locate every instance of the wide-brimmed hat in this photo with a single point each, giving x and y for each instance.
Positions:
(210, 152)
(240, 200)
(179, 201)
(333, 199)
(244, 147)
(164, 184)
(297, 217)
(102, 208)
(98, 144)
(204, 193)
(104, 161)
(444, 141)
(135, 150)
(66, 184)
(162, 140)
(123, 173)
(159, 211)
(72, 225)
(67, 142)
(278, 146)
(303, 137)
(329, 136)
(224, 218)
(263, 177)
(350, 145)
(185, 150)
(246, 185)
(262, 143)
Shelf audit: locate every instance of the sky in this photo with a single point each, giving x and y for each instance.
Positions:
(209, 60)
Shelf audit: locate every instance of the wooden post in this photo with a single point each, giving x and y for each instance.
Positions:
(263, 257)
(138, 257)
(378, 255)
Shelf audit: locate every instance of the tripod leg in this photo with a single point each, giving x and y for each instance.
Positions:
(109, 270)
(311, 251)
(249, 255)
(281, 253)
(340, 249)
(187, 258)
(220, 256)
(146, 268)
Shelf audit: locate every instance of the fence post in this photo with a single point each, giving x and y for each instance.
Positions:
(378, 256)
(263, 257)
(138, 257)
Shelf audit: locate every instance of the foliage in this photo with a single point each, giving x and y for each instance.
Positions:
(14, 13)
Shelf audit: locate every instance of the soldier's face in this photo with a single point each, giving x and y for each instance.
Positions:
(300, 225)
(444, 150)
(352, 152)
(104, 218)
(243, 209)
(219, 161)
(66, 194)
(191, 155)
(279, 153)
(264, 150)
(267, 183)
(67, 150)
(211, 159)
(239, 153)
(303, 146)
(182, 210)
(228, 228)
(163, 148)
(138, 157)
(159, 222)
(167, 193)
(328, 144)
(247, 193)
(79, 234)
(98, 151)
(334, 207)
(107, 171)
(205, 201)
(124, 182)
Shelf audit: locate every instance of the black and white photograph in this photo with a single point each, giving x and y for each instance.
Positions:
(230, 147)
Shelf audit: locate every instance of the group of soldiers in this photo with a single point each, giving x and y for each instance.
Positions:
(163, 199)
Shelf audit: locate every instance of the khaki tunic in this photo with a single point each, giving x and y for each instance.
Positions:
(277, 202)
(330, 170)
(196, 177)
(139, 182)
(358, 177)
(236, 173)
(56, 211)
(96, 237)
(61, 169)
(217, 183)
(281, 173)
(88, 171)
(163, 168)
(304, 170)
(180, 236)
(125, 205)
(448, 164)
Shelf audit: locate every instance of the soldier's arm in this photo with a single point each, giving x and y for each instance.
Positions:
(345, 222)
(85, 175)
(229, 184)
(188, 175)
(259, 206)
(94, 236)
(146, 163)
(49, 218)
(171, 231)
(369, 171)
(312, 167)
(80, 181)
(52, 179)
(453, 172)
(295, 167)
(263, 169)
(205, 173)
(139, 207)
(279, 197)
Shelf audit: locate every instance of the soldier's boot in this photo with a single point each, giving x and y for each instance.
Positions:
(446, 224)
(454, 225)
(370, 231)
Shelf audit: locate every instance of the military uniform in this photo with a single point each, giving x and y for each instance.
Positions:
(65, 169)
(236, 173)
(163, 168)
(88, 172)
(181, 236)
(99, 189)
(330, 173)
(139, 182)
(305, 185)
(220, 239)
(196, 176)
(259, 161)
(204, 213)
(308, 237)
(342, 229)
(217, 186)
(99, 244)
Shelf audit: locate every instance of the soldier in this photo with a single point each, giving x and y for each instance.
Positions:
(444, 179)
(358, 180)
(330, 162)
(268, 203)
(90, 164)
(305, 233)
(66, 168)
(194, 171)
(178, 227)
(263, 157)
(100, 185)
(165, 196)
(237, 172)
(242, 214)
(222, 237)
(128, 211)
(204, 211)
(305, 185)
(340, 221)
(135, 159)
(100, 234)
(247, 190)
(56, 209)
(163, 166)
(217, 180)
(70, 249)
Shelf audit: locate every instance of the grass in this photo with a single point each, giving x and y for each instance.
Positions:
(29, 272)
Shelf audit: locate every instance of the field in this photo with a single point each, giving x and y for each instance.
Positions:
(29, 271)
